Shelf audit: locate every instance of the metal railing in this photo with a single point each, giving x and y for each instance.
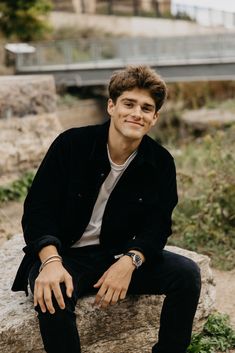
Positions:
(167, 50)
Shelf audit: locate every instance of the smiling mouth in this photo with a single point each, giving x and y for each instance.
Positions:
(134, 122)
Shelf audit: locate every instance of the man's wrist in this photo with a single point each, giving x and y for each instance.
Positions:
(129, 261)
(47, 251)
(139, 253)
(135, 257)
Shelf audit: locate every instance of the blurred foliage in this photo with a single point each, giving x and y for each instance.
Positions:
(79, 33)
(204, 220)
(194, 95)
(24, 20)
(216, 335)
(18, 189)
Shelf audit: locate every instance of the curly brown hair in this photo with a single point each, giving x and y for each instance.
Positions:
(141, 76)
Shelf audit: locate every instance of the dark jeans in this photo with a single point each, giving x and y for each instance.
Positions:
(175, 276)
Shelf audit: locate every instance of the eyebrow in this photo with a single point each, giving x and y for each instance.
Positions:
(134, 101)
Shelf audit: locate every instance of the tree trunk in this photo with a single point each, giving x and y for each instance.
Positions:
(136, 7)
(156, 6)
(83, 6)
(110, 7)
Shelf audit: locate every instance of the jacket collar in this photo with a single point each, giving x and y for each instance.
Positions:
(146, 151)
(99, 150)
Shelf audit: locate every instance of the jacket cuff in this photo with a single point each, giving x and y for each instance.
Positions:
(41, 242)
(150, 253)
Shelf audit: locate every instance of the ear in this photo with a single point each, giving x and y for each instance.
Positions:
(155, 118)
(110, 107)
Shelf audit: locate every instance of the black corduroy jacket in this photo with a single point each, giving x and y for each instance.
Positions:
(60, 201)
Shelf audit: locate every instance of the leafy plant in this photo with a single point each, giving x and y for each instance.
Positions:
(217, 335)
(18, 189)
(204, 220)
(194, 95)
(24, 20)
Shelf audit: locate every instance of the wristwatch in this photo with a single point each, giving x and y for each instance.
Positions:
(136, 259)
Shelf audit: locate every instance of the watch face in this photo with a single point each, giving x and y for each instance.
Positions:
(137, 260)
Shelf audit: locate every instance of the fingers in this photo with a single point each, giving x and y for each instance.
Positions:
(100, 294)
(69, 285)
(45, 288)
(58, 295)
(100, 281)
(108, 296)
(39, 297)
(115, 298)
(123, 294)
(48, 300)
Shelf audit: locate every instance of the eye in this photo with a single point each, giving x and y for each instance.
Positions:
(146, 109)
(128, 104)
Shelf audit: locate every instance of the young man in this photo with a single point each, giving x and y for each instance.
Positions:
(98, 215)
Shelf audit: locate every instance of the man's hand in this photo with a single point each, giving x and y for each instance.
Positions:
(114, 283)
(48, 281)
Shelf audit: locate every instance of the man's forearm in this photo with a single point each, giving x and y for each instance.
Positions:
(47, 251)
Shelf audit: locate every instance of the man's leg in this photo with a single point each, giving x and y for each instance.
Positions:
(179, 279)
(59, 331)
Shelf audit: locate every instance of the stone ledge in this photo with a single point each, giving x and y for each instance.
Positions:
(19, 331)
(25, 95)
(24, 141)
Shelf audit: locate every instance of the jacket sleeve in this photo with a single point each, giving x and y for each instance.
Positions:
(157, 228)
(41, 212)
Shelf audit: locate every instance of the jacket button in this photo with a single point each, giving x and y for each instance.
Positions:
(80, 195)
(140, 199)
(102, 175)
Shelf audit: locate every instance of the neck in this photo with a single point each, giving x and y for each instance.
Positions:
(120, 149)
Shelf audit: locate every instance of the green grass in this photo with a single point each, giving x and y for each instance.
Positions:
(17, 190)
(204, 220)
(228, 105)
(216, 335)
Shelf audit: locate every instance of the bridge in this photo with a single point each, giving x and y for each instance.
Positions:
(91, 62)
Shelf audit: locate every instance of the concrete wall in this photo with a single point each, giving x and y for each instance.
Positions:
(131, 26)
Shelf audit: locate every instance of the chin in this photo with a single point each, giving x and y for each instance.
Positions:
(134, 135)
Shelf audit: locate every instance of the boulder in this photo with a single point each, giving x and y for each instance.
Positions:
(101, 331)
(24, 141)
(206, 119)
(26, 95)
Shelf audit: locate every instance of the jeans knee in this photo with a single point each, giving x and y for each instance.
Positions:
(191, 275)
(68, 310)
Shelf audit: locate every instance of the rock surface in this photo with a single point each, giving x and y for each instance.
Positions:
(202, 119)
(19, 331)
(24, 141)
(28, 122)
(25, 95)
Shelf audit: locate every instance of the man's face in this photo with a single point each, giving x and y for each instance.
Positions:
(133, 114)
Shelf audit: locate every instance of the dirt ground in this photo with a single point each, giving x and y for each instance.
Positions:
(10, 215)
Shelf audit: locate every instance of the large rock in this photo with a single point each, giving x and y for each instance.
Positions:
(26, 95)
(206, 119)
(24, 141)
(28, 122)
(133, 322)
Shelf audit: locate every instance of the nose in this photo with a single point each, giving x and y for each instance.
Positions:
(137, 112)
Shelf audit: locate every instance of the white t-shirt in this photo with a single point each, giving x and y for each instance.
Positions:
(92, 231)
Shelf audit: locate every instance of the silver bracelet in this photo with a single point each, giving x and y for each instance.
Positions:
(58, 257)
(46, 263)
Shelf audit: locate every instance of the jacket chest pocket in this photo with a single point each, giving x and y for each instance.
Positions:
(79, 201)
(142, 199)
(79, 191)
